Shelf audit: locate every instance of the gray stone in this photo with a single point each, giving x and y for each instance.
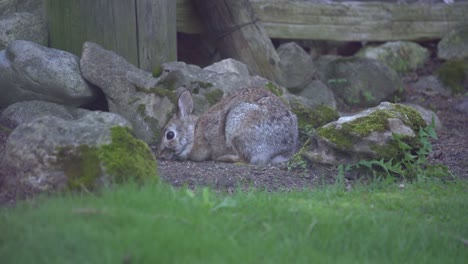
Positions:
(366, 135)
(22, 26)
(297, 66)
(402, 56)
(431, 85)
(130, 92)
(319, 94)
(27, 111)
(229, 66)
(7, 7)
(52, 154)
(462, 107)
(454, 46)
(359, 81)
(29, 71)
(31, 6)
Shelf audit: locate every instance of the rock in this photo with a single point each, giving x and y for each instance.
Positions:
(229, 66)
(29, 71)
(402, 56)
(359, 81)
(53, 154)
(22, 26)
(130, 92)
(454, 75)
(462, 107)
(431, 85)
(27, 111)
(297, 66)
(319, 94)
(427, 115)
(7, 7)
(454, 46)
(366, 135)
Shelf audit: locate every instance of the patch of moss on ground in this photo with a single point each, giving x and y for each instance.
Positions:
(125, 159)
(454, 74)
(274, 89)
(214, 96)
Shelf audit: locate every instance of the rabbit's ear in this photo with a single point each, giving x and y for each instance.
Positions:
(185, 104)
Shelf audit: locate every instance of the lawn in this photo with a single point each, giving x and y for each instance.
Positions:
(156, 223)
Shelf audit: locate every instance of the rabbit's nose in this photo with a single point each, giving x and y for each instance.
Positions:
(166, 154)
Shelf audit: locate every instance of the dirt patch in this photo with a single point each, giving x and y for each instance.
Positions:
(451, 150)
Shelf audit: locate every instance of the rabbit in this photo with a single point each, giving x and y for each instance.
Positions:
(251, 125)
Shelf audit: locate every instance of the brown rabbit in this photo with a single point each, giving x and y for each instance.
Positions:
(250, 125)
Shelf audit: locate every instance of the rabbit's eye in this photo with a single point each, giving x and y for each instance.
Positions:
(170, 135)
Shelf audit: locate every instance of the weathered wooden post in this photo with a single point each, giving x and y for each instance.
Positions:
(143, 31)
(238, 34)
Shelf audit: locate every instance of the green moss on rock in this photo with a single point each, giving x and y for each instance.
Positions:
(157, 71)
(454, 74)
(214, 96)
(316, 117)
(203, 85)
(125, 158)
(160, 92)
(344, 135)
(339, 137)
(274, 89)
(298, 161)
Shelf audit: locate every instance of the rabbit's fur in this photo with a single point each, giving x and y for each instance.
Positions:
(250, 125)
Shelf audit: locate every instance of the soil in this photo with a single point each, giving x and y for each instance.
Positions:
(451, 150)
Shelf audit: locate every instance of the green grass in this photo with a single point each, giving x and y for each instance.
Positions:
(422, 223)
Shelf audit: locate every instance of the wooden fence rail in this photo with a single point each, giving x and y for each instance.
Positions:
(345, 21)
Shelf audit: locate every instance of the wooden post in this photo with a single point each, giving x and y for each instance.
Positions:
(157, 33)
(238, 34)
(142, 31)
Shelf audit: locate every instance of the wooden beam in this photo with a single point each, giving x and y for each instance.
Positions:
(110, 23)
(235, 30)
(345, 21)
(157, 35)
(143, 31)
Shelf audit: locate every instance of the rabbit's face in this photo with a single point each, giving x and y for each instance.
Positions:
(177, 140)
(178, 135)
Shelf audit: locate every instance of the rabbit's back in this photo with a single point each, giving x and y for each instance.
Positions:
(253, 124)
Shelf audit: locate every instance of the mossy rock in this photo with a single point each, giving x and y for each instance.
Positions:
(369, 134)
(402, 56)
(311, 118)
(160, 92)
(157, 71)
(316, 117)
(360, 82)
(124, 159)
(274, 89)
(214, 96)
(454, 74)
